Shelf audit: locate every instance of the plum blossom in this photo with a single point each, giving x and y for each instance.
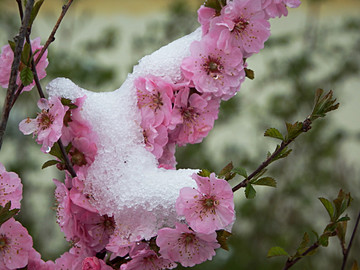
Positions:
(155, 138)
(205, 15)
(278, 8)
(242, 24)
(167, 160)
(154, 99)
(142, 257)
(72, 260)
(208, 208)
(193, 117)
(7, 57)
(212, 70)
(186, 246)
(93, 263)
(10, 188)
(36, 263)
(48, 124)
(15, 245)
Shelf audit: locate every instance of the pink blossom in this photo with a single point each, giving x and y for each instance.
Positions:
(242, 24)
(154, 99)
(93, 263)
(146, 259)
(186, 246)
(15, 245)
(36, 263)
(7, 57)
(72, 260)
(83, 151)
(208, 208)
(193, 117)
(10, 188)
(278, 8)
(167, 160)
(213, 70)
(48, 124)
(205, 15)
(155, 138)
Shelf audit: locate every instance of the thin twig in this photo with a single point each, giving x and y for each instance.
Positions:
(350, 243)
(290, 263)
(67, 161)
(21, 13)
(19, 43)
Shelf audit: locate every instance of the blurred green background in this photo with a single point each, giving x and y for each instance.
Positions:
(317, 45)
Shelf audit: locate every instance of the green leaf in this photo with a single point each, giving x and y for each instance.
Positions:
(35, 11)
(240, 171)
(328, 206)
(26, 76)
(68, 148)
(324, 240)
(250, 192)
(25, 54)
(222, 237)
(12, 45)
(56, 152)
(215, 4)
(342, 202)
(274, 133)
(266, 181)
(68, 102)
(323, 104)
(293, 130)
(50, 163)
(303, 245)
(6, 213)
(343, 219)
(276, 251)
(204, 173)
(249, 73)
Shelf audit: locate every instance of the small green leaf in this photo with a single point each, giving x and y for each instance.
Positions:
(303, 245)
(250, 192)
(226, 170)
(323, 104)
(35, 11)
(25, 54)
(6, 213)
(240, 171)
(324, 240)
(50, 163)
(222, 237)
(293, 130)
(328, 206)
(249, 73)
(204, 173)
(26, 76)
(342, 202)
(69, 103)
(274, 133)
(68, 148)
(276, 251)
(266, 181)
(343, 219)
(12, 45)
(56, 152)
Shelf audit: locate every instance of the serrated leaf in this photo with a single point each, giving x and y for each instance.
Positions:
(26, 76)
(12, 45)
(342, 202)
(25, 54)
(324, 240)
(204, 173)
(50, 163)
(222, 237)
(6, 213)
(56, 152)
(293, 130)
(249, 73)
(323, 104)
(276, 251)
(266, 181)
(227, 169)
(273, 133)
(328, 206)
(240, 171)
(355, 266)
(35, 11)
(250, 192)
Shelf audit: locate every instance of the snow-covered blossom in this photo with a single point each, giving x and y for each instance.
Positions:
(167, 160)
(186, 246)
(154, 99)
(10, 188)
(93, 263)
(242, 24)
(155, 137)
(7, 57)
(208, 208)
(142, 257)
(15, 245)
(48, 124)
(212, 70)
(278, 8)
(193, 117)
(72, 260)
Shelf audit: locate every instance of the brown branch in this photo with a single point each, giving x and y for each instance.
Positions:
(290, 263)
(347, 251)
(19, 43)
(21, 13)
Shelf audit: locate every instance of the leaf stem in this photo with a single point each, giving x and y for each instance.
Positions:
(290, 262)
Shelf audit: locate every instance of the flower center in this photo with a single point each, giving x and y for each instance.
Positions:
(213, 67)
(240, 25)
(188, 238)
(45, 120)
(209, 203)
(78, 158)
(4, 241)
(157, 101)
(189, 114)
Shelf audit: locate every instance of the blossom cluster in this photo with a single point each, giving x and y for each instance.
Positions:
(182, 112)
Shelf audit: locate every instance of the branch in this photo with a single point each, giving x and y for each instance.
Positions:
(290, 262)
(19, 40)
(347, 251)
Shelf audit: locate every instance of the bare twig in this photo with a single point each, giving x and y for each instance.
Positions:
(19, 43)
(350, 243)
